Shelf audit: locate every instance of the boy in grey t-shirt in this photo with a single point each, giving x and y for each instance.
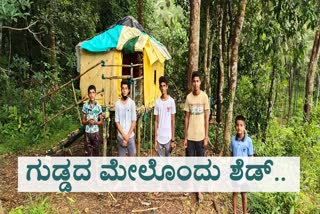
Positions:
(125, 118)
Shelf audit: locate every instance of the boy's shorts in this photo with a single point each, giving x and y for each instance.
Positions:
(92, 144)
(195, 148)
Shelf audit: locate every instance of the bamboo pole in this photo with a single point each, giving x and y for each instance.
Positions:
(144, 129)
(75, 99)
(126, 66)
(139, 136)
(131, 73)
(62, 112)
(106, 118)
(138, 87)
(104, 135)
(89, 69)
(138, 78)
(67, 83)
(151, 123)
(117, 77)
(44, 119)
(66, 142)
(121, 77)
(65, 110)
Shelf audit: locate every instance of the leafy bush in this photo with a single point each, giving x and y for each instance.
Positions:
(294, 139)
(21, 115)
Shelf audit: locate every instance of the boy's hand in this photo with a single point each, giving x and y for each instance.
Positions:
(185, 143)
(156, 146)
(124, 143)
(126, 137)
(172, 145)
(91, 121)
(205, 143)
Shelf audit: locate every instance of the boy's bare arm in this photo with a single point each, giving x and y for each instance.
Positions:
(173, 126)
(186, 125)
(156, 119)
(83, 119)
(133, 125)
(100, 121)
(206, 123)
(120, 129)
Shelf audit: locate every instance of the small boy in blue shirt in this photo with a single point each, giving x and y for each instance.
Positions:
(241, 146)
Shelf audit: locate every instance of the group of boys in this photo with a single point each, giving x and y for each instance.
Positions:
(196, 125)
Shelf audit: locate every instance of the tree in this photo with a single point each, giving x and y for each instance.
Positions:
(270, 101)
(233, 70)
(207, 85)
(309, 86)
(170, 26)
(52, 38)
(140, 13)
(193, 57)
(220, 82)
(11, 11)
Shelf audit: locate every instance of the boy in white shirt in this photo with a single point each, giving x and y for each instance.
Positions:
(164, 111)
(125, 118)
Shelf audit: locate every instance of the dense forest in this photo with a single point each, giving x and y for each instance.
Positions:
(258, 58)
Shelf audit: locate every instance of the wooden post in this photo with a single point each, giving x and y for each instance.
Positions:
(64, 85)
(104, 135)
(65, 110)
(44, 118)
(138, 135)
(112, 131)
(124, 65)
(65, 143)
(151, 123)
(131, 73)
(139, 99)
(75, 99)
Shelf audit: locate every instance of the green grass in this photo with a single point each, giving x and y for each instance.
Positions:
(39, 205)
(21, 143)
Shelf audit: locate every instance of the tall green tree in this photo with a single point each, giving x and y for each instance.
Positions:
(206, 68)
(222, 7)
(233, 70)
(311, 74)
(140, 13)
(194, 36)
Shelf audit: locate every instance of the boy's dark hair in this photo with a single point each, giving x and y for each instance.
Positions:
(92, 87)
(163, 79)
(195, 74)
(240, 117)
(125, 82)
